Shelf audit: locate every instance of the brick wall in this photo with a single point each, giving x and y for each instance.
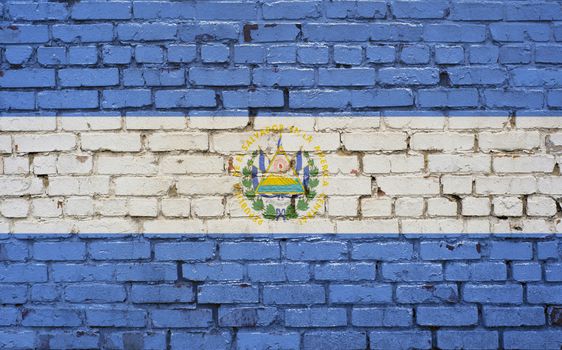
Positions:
(437, 118)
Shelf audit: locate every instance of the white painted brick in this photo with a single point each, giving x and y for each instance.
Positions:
(146, 207)
(342, 206)
(442, 141)
(347, 123)
(315, 225)
(5, 144)
(236, 225)
(524, 122)
(28, 123)
(208, 206)
(111, 207)
(206, 185)
(115, 142)
(406, 206)
(342, 164)
(81, 123)
(43, 165)
(173, 226)
(376, 207)
(475, 206)
(509, 141)
(74, 164)
(455, 163)
(537, 226)
(372, 226)
(78, 185)
(298, 123)
(79, 206)
(233, 208)
(127, 164)
(396, 185)
(541, 206)
(524, 164)
(214, 123)
(142, 186)
(106, 225)
(478, 122)
(550, 185)
(507, 206)
(477, 225)
(14, 208)
(176, 207)
(155, 123)
(16, 165)
(456, 184)
(392, 163)
(432, 225)
(388, 141)
(47, 207)
(192, 164)
(348, 186)
(43, 226)
(416, 122)
(27, 143)
(505, 185)
(555, 139)
(178, 142)
(18, 186)
(441, 207)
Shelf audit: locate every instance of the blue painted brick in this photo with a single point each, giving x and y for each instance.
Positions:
(82, 55)
(400, 339)
(476, 76)
(153, 77)
(17, 100)
(360, 294)
(427, 293)
(13, 294)
(446, 315)
(44, 292)
(249, 250)
(181, 53)
(13, 251)
(448, 98)
(283, 77)
(119, 250)
(449, 54)
(553, 272)
(528, 99)
(477, 339)
(64, 99)
(214, 53)
(519, 32)
(21, 78)
(125, 98)
(335, 340)
(478, 271)
(548, 54)
(163, 10)
(534, 11)
(513, 316)
(420, 9)
(10, 339)
(145, 272)
(312, 54)
(52, 55)
(455, 33)
(389, 251)
(265, 33)
(382, 98)
(510, 54)
(381, 54)
(59, 251)
(122, 340)
(547, 250)
(249, 54)
(161, 294)
(233, 316)
(408, 76)
(476, 11)
(149, 54)
(554, 98)
(117, 54)
(482, 293)
(258, 98)
(346, 77)
(164, 318)
(526, 272)
(36, 11)
(355, 9)
(51, 317)
(281, 54)
(18, 54)
(101, 10)
(541, 339)
(146, 31)
(8, 316)
(226, 10)
(536, 77)
(352, 55)
(316, 317)
(23, 34)
(85, 33)
(185, 98)
(291, 9)
(184, 251)
(278, 272)
(249, 340)
(293, 294)
(99, 293)
(511, 250)
(449, 251)
(483, 54)
(71, 340)
(412, 272)
(115, 317)
(382, 317)
(81, 272)
(417, 54)
(191, 33)
(345, 271)
(307, 251)
(213, 272)
(79, 77)
(219, 77)
(218, 341)
(227, 294)
(558, 32)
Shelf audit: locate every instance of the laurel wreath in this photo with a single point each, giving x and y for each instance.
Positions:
(291, 211)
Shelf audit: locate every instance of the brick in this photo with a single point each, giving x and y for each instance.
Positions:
(449, 54)
(412, 272)
(530, 99)
(98, 293)
(446, 316)
(251, 340)
(323, 339)
(260, 98)
(58, 251)
(23, 33)
(13, 294)
(312, 54)
(233, 316)
(294, 294)
(189, 98)
(227, 294)
(479, 339)
(317, 317)
(471, 33)
(146, 31)
(511, 250)
(408, 76)
(427, 293)
(418, 186)
(382, 98)
(360, 294)
(532, 339)
(68, 99)
(353, 9)
(415, 54)
(505, 185)
(117, 54)
(49, 317)
(190, 33)
(184, 251)
(519, 32)
(153, 77)
(278, 272)
(283, 77)
(214, 53)
(383, 142)
(513, 316)
(200, 340)
(448, 98)
(86, 33)
(346, 77)
(115, 317)
(477, 271)
(400, 339)
(543, 294)
(249, 251)
(37, 11)
(316, 251)
(27, 78)
(119, 250)
(123, 142)
(83, 55)
(345, 271)
(213, 272)
(495, 294)
(212, 77)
